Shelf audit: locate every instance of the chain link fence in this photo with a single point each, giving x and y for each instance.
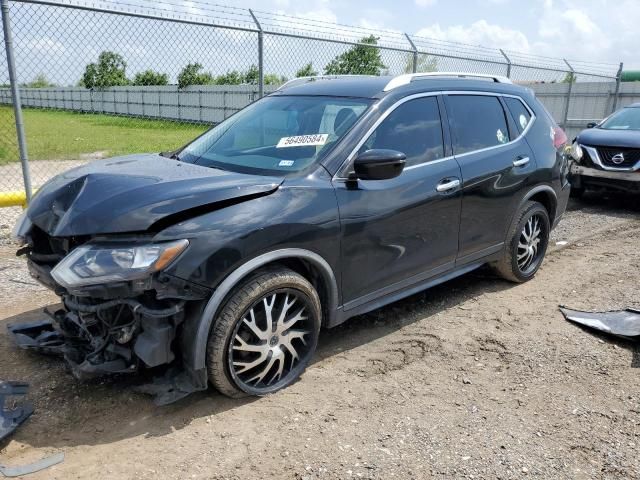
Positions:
(105, 78)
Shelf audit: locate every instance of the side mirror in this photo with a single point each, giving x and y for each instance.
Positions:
(591, 124)
(379, 164)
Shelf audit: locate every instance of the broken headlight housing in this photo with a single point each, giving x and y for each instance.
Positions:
(92, 264)
(576, 152)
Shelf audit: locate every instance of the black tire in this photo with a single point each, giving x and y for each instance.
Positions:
(510, 266)
(232, 336)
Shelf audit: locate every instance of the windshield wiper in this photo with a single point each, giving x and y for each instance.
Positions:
(174, 155)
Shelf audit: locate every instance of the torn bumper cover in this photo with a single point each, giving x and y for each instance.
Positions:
(628, 181)
(13, 415)
(98, 337)
(622, 323)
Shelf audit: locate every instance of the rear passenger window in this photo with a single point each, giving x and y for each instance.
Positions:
(519, 112)
(414, 129)
(477, 122)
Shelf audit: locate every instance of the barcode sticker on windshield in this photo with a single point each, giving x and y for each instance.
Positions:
(303, 140)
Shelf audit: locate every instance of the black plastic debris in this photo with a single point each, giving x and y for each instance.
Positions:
(174, 385)
(12, 415)
(622, 323)
(39, 335)
(34, 467)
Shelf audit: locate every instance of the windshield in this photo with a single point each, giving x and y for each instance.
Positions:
(276, 135)
(625, 119)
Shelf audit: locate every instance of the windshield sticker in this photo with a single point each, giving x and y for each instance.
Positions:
(500, 136)
(303, 140)
(286, 163)
(523, 121)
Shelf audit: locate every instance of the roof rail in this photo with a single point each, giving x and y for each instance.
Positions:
(407, 78)
(301, 80)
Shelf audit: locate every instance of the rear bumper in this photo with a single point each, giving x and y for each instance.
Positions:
(626, 181)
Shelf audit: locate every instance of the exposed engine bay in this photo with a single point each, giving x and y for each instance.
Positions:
(111, 328)
(116, 336)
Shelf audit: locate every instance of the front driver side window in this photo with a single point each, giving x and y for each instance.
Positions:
(414, 128)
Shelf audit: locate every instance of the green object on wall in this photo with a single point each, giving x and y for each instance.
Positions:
(631, 76)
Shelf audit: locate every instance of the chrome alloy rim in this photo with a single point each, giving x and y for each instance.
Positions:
(529, 244)
(271, 341)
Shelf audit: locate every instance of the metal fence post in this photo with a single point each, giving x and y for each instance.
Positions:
(415, 52)
(260, 55)
(508, 63)
(15, 96)
(617, 92)
(572, 78)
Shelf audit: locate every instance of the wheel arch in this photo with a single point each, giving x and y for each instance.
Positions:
(545, 195)
(305, 262)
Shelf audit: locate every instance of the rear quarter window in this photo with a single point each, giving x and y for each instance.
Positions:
(519, 112)
(477, 122)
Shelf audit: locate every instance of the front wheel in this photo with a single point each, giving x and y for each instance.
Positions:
(526, 245)
(265, 335)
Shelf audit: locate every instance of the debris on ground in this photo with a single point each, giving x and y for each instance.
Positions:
(32, 467)
(13, 414)
(622, 323)
(38, 335)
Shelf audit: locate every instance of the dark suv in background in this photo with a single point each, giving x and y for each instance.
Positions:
(325, 200)
(607, 155)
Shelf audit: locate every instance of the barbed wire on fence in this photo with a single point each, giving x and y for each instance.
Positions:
(106, 77)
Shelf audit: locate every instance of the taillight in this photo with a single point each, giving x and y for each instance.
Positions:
(559, 137)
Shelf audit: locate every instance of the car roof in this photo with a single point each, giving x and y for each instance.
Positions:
(633, 105)
(364, 86)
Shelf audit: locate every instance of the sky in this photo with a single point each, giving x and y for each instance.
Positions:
(59, 42)
(590, 30)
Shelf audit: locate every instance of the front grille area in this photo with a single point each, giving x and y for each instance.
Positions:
(45, 249)
(631, 156)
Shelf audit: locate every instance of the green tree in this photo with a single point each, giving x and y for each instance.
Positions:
(426, 63)
(233, 77)
(307, 71)
(362, 59)
(252, 76)
(110, 71)
(192, 74)
(40, 81)
(150, 77)
(570, 77)
(274, 79)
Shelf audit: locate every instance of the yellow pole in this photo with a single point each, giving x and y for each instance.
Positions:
(13, 199)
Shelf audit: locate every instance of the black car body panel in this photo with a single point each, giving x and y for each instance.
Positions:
(132, 193)
(599, 137)
(361, 243)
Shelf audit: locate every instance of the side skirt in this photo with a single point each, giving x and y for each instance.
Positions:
(344, 313)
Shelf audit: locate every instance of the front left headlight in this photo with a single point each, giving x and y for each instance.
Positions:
(576, 152)
(92, 264)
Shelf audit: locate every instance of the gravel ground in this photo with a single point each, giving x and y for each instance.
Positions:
(475, 378)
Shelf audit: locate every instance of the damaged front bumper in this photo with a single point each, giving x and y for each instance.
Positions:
(119, 328)
(627, 181)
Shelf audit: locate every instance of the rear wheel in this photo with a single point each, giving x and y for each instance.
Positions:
(526, 244)
(265, 335)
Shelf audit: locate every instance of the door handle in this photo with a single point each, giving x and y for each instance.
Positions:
(447, 185)
(521, 162)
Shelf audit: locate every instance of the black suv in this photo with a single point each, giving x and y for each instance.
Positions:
(607, 155)
(326, 199)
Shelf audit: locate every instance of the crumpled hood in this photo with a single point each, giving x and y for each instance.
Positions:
(131, 193)
(599, 137)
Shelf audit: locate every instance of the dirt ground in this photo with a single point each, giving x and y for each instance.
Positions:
(476, 378)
